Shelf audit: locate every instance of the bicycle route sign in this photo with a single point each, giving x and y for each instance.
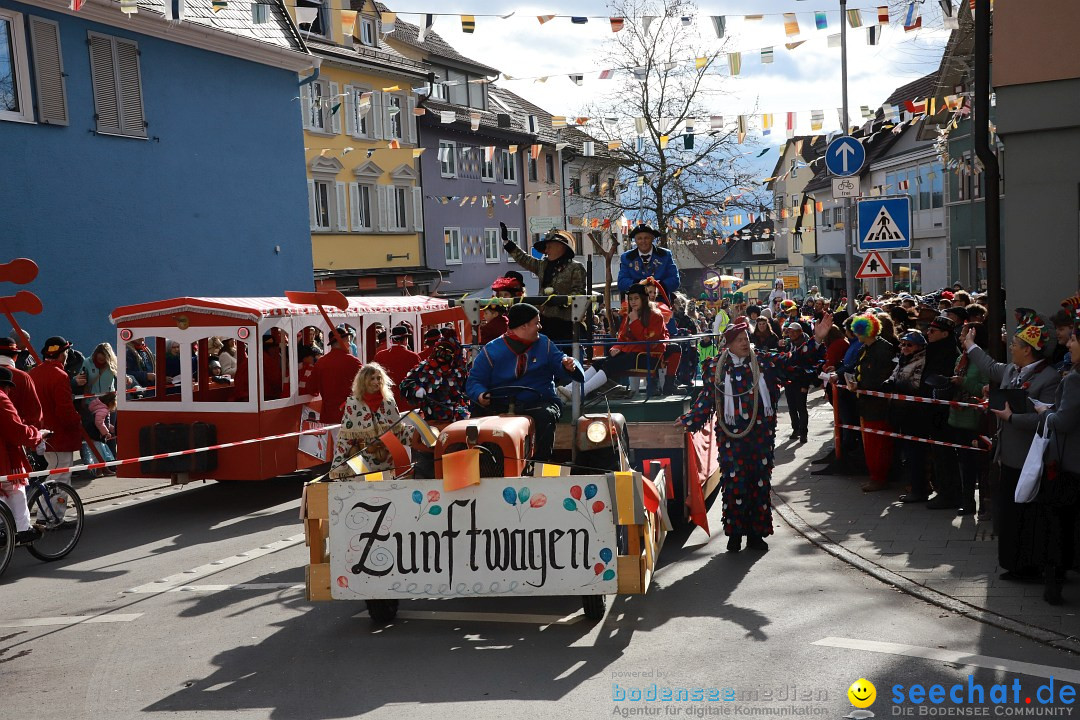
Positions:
(884, 224)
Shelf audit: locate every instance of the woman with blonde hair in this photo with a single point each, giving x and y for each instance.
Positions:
(100, 369)
(370, 410)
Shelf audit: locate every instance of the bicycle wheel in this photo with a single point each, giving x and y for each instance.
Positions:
(60, 510)
(7, 537)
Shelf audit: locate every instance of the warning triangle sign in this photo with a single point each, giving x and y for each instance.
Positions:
(874, 266)
(883, 229)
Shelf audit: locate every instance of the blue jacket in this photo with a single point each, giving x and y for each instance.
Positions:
(496, 366)
(661, 266)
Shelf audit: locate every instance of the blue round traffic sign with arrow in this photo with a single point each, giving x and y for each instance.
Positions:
(845, 156)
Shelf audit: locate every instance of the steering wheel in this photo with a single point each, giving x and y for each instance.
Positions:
(508, 394)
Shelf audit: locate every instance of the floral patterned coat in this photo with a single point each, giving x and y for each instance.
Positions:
(360, 427)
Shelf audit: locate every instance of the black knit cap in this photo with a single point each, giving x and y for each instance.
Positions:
(520, 314)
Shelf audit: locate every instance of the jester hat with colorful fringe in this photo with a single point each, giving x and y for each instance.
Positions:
(866, 326)
(1033, 331)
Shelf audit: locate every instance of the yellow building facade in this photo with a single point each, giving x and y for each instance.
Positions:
(361, 147)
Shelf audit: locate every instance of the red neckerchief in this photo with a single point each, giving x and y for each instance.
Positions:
(520, 348)
(373, 400)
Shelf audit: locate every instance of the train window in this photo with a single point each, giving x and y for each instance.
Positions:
(374, 340)
(310, 344)
(145, 360)
(216, 369)
(275, 364)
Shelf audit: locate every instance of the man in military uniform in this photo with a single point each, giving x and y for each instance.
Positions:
(648, 260)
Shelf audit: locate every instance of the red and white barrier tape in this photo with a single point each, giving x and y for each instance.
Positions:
(898, 436)
(918, 399)
(162, 456)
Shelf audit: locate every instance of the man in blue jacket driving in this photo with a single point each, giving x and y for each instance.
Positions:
(522, 357)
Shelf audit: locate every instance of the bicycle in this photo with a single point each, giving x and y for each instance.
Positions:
(54, 506)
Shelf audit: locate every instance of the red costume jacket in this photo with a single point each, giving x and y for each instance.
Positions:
(24, 397)
(333, 379)
(58, 411)
(655, 332)
(398, 361)
(14, 435)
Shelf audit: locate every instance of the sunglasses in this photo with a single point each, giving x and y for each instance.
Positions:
(909, 344)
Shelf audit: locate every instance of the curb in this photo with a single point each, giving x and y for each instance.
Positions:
(934, 597)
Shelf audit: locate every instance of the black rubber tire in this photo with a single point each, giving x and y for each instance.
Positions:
(382, 611)
(594, 606)
(45, 550)
(7, 537)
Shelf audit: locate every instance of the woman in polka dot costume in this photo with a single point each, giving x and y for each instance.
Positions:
(744, 383)
(369, 412)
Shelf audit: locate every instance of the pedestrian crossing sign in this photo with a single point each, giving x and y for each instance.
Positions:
(885, 224)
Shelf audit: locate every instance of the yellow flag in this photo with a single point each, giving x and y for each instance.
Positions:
(461, 469)
(348, 23)
(392, 88)
(664, 141)
(701, 62)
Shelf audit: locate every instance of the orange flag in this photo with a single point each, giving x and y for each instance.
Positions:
(461, 469)
(397, 451)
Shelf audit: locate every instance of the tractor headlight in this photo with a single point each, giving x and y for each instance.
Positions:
(597, 432)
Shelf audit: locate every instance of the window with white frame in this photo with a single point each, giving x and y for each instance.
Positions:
(15, 99)
(366, 31)
(452, 244)
(364, 205)
(491, 245)
(448, 158)
(509, 167)
(359, 110)
(794, 201)
(514, 235)
(313, 23)
(324, 193)
(487, 167)
(397, 125)
(399, 207)
(314, 112)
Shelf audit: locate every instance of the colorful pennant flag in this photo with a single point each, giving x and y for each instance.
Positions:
(576, 79)
(873, 34)
(766, 124)
(614, 145)
(742, 128)
(468, 23)
(389, 22)
(447, 116)
(545, 18)
(260, 14)
(429, 20)
(854, 18)
(821, 21)
(793, 45)
(751, 18)
(688, 142)
(734, 63)
(664, 141)
(474, 121)
(579, 20)
(883, 14)
(766, 56)
(791, 24)
(131, 7)
(912, 17)
(817, 119)
(719, 25)
(348, 23)
(173, 9)
(588, 148)
(716, 122)
(606, 74)
(617, 24)
(834, 40)
(218, 6)
(534, 151)
(791, 120)
(700, 62)
(558, 121)
(646, 21)
(686, 20)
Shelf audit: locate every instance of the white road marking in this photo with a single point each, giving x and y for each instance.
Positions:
(951, 656)
(188, 576)
(520, 618)
(154, 589)
(71, 620)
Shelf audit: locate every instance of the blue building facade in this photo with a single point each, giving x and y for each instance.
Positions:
(161, 160)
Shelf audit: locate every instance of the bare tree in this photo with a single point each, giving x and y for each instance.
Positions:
(677, 160)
